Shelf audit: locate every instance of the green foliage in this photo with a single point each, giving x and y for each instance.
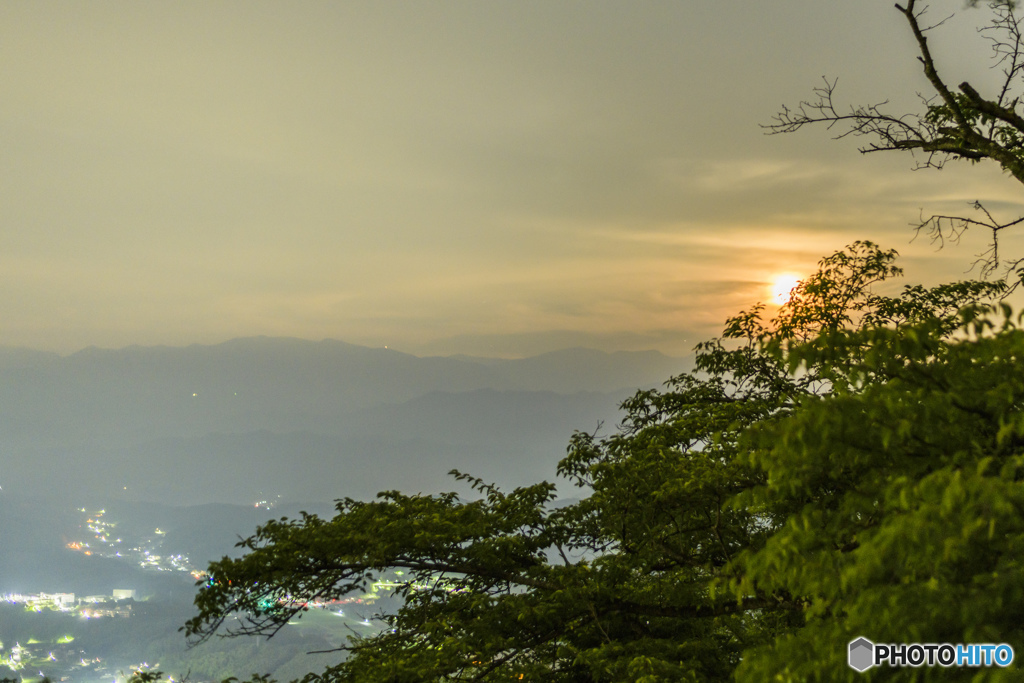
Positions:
(901, 496)
(153, 676)
(143, 676)
(851, 467)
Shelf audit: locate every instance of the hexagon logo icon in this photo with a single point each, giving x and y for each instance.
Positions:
(862, 654)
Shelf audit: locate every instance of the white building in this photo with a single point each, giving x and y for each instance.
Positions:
(64, 601)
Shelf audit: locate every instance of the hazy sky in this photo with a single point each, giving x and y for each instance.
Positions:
(441, 177)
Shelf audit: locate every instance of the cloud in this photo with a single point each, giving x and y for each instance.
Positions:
(346, 170)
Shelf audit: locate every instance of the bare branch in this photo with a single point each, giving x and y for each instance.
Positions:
(959, 123)
(940, 227)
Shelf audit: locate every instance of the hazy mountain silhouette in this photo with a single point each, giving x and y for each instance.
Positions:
(305, 420)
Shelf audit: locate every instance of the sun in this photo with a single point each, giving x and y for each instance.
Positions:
(782, 285)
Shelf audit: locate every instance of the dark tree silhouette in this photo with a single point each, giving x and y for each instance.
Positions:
(954, 123)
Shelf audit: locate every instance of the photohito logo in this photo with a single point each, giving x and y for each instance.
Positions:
(863, 654)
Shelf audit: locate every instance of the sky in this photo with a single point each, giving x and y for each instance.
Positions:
(490, 178)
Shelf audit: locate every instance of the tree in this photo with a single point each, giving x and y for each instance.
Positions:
(899, 495)
(955, 123)
(849, 467)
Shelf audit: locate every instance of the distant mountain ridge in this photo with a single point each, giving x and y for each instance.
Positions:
(106, 419)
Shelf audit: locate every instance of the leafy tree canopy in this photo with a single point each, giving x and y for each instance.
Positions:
(850, 467)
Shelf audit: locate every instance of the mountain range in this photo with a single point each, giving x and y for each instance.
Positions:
(288, 419)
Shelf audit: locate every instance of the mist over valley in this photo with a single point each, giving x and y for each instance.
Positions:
(307, 421)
